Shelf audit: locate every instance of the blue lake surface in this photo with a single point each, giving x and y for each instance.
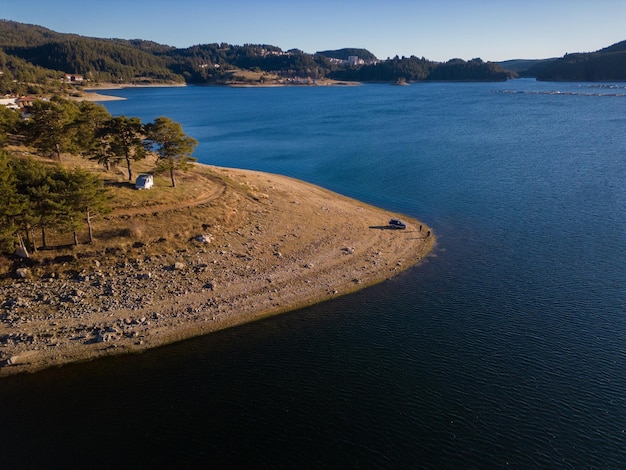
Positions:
(506, 348)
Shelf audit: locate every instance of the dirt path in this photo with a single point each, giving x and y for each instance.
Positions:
(217, 189)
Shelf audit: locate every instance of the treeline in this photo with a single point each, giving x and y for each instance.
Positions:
(607, 64)
(34, 195)
(416, 69)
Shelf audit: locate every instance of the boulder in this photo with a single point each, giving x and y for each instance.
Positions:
(204, 238)
(22, 273)
(13, 360)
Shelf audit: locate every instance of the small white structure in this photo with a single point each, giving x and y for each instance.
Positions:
(9, 103)
(144, 181)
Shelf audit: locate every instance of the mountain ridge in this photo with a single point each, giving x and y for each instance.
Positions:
(33, 55)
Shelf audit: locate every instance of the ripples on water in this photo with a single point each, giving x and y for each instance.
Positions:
(506, 348)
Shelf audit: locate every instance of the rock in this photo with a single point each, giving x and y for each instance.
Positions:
(13, 360)
(178, 266)
(104, 337)
(204, 238)
(23, 273)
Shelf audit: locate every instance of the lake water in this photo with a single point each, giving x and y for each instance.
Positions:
(506, 348)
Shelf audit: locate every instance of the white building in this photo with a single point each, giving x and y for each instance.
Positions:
(9, 103)
(354, 60)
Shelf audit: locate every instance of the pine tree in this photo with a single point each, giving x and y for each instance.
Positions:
(48, 126)
(12, 204)
(172, 145)
(126, 139)
(85, 199)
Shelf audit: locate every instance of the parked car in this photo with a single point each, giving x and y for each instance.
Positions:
(396, 224)
(144, 181)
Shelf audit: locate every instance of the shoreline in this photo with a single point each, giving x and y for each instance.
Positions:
(91, 93)
(290, 244)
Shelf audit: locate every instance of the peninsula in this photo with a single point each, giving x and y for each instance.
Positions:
(235, 247)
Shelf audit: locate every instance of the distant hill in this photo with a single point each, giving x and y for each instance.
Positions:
(617, 47)
(608, 64)
(111, 60)
(416, 69)
(343, 54)
(520, 66)
(34, 59)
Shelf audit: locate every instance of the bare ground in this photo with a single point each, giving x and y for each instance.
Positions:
(272, 244)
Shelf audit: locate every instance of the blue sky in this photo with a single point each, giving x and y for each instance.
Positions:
(436, 29)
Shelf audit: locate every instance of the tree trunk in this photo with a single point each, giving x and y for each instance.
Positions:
(44, 244)
(32, 234)
(75, 238)
(57, 151)
(130, 172)
(172, 178)
(89, 227)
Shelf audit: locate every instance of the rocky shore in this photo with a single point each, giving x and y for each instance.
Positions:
(291, 244)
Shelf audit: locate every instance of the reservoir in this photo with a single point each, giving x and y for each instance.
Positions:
(505, 348)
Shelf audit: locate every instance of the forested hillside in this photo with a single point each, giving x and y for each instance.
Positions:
(414, 69)
(209, 62)
(98, 60)
(33, 60)
(608, 64)
(41, 55)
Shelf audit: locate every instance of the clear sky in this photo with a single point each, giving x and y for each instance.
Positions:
(435, 29)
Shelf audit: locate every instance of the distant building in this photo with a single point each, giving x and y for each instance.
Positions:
(73, 77)
(355, 60)
(25, 101)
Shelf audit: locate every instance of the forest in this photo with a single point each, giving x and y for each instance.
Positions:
(37, 58)
(608, 64)
(415, 69)
(34, 59)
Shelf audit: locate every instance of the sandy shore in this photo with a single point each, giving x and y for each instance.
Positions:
(286, 244)
(91, 96)
(91, 93)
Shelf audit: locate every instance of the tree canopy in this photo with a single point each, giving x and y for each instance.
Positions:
(172, 145)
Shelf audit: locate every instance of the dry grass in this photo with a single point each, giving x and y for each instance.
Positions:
(148, 222)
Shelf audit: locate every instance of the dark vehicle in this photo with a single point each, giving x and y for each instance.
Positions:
(396, 224)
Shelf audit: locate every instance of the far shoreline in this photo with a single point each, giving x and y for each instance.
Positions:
(90, 93)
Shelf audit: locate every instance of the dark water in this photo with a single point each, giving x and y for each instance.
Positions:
(507, 348)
